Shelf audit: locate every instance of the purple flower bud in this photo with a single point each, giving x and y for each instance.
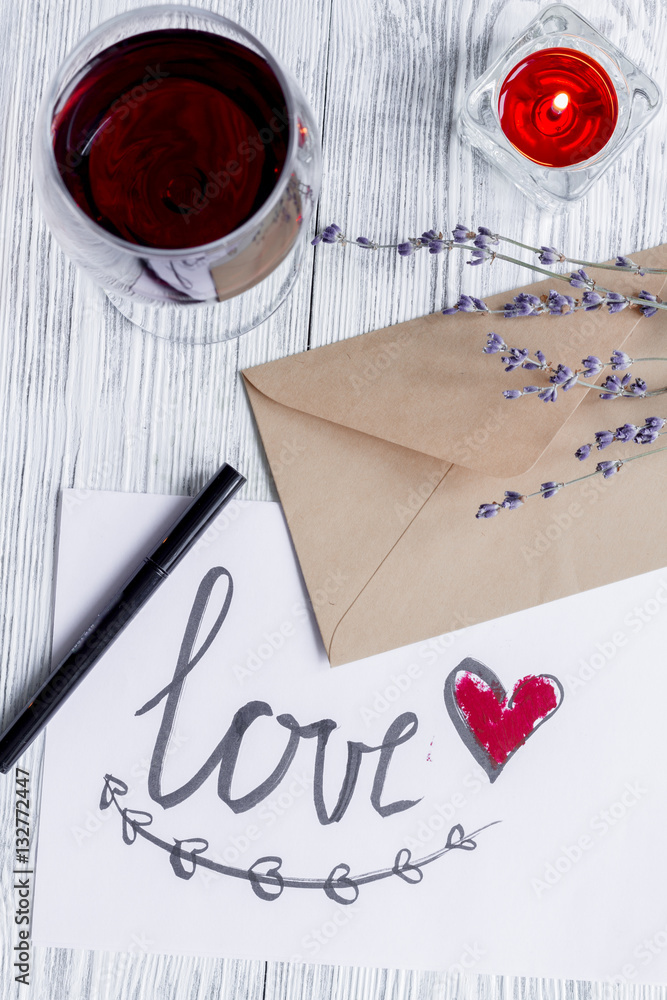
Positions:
(330, 234)
(564, 377)
(583, 452)
(521, 306)
(654, 423)
(450, 311)
(515, 358)
(550, 489)
(559, 305)
(485, 231)
(494, 344)
(462, 233)
(483, 242)
(479, 304)
(469, 304)
(628, 432)
(603, 439)
(513, 500)
(437, 246)
(429, 235)
(608, 468)
(405, 249)
(591, 300)
(579, 279)
(624, 262)
(638, 387)
(478, 257)
(531, 388)
(549, 395)
(512, 393)
(616, 302)
(647, 435)
(613, 387)
(549, 255)
(488, 510)
(318, 239)
(364, 241)
(648, 310)
(619, 361)
(592, 365)
(541, 358)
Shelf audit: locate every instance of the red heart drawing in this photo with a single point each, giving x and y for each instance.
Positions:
(491, 723)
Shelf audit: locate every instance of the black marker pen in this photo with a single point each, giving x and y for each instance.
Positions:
(119, 612)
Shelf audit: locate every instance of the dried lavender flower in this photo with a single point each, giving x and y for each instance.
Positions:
(494, 344)
(462, 233)
(620, 361)
(648, 310)
(512, 500)
(592, 365)
(549, 255)
(488, 510)
(583, 452)
(603, 439)
(579, 279)
(549, 490)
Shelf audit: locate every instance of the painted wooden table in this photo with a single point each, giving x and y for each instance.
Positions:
(89, 402)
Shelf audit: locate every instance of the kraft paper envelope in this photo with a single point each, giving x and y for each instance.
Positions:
(383, 446)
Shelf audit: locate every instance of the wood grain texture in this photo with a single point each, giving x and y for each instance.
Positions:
(88, 402)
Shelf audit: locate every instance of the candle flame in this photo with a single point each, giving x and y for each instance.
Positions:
(560, 102)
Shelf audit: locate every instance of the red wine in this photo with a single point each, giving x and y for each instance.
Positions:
(172, 139)
(558, 107)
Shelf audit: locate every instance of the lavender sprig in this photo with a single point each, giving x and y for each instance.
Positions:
(484, 237)
(647, 433)
(482, 250)
(563, 377)
(513, 499)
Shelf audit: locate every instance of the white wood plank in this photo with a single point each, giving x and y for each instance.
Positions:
(90, 402)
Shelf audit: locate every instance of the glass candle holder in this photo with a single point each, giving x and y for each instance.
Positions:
(201, 237)
(558, 107)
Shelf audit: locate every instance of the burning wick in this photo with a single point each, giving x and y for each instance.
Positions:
(559, 103)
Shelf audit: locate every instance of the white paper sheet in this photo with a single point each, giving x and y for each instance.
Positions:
(568, 877)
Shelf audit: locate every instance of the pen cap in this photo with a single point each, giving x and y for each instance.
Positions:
(204, 507)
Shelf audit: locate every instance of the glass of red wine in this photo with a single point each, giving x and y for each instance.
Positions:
(178, 164)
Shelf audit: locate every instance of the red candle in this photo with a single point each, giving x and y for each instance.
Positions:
(558, 107)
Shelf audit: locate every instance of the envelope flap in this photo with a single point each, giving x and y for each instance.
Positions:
(426, 384)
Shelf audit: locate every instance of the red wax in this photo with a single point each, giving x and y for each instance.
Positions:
(558, 107)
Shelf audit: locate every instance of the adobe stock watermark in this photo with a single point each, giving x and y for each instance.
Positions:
(320, 936)
(643, 954)
(635, 621)
(563, 519)
(94, 819)
(492, 423)
(224, 520)
(404, 678)
(241, 843)
(120, 108)
(601, 824)
(418, 496)
(216, 181)
(257, 657)
(380, 361)
(444, 812)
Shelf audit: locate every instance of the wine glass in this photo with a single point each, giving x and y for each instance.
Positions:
(178, 164)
